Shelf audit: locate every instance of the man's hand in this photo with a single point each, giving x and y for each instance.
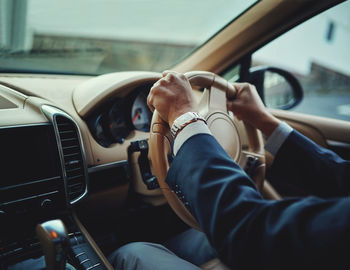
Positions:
(247, 106)
(171, 96)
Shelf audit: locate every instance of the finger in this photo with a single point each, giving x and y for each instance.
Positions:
(170, 77)
(238, 86)
(150, 102)
(156, 84)
(229, 104)
(166, 72)
(173, 75)
(234, 105)
(241, 84)
(232, 94)
(151, 107)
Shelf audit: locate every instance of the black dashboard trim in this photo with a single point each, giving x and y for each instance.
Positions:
(31, 182)
(51, 112)
(107, 166)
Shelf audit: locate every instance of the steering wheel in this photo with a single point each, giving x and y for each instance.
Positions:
(224, 127)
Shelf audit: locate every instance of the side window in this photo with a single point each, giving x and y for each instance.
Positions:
(232, 73)
(317, 53)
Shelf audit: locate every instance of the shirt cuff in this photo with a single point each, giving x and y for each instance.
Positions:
(277, 138)
(198, 127)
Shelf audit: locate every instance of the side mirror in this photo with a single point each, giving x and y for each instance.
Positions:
(277, 88)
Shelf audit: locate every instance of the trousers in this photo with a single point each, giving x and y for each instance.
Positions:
(185, 251)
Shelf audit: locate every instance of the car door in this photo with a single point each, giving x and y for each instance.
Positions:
(315, 52)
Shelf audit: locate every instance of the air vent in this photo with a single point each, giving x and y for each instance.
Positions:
(72, 158)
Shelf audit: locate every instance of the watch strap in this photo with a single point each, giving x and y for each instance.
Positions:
(183, 120)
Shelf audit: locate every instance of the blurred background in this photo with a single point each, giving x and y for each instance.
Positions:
(100, 36)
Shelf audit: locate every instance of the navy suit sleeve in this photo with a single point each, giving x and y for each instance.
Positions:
(302, 167)
(248, 231)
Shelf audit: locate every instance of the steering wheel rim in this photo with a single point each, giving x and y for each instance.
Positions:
(212, 107)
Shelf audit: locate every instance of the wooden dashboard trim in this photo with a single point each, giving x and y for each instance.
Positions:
(92, 243)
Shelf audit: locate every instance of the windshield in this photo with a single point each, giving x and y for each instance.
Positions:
(100, 36)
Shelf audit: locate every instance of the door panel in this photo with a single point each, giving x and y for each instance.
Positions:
(327, 132)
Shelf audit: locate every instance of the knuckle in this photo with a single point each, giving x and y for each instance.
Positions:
(171, 77)
(149, 98)
(251, 86)
(162, 82)
(154, 91)
(155, 85)
(182, 76)
(150, 92)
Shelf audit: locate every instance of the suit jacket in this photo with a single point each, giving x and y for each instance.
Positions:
(248, 231)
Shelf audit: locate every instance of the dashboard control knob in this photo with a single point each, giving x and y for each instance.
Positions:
(47, 203)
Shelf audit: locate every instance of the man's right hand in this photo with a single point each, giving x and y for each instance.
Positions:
(172, 96)
(248, 106)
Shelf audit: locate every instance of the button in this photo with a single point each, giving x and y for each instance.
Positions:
(80, 254)
(47, 203)
(36, 244)
(92, 267)
(84, 261)
(83, 258)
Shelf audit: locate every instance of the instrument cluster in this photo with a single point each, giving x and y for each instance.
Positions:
(114, 121)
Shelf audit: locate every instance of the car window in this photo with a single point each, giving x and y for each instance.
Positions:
(317, 53)
(232, 73)
(99, 36)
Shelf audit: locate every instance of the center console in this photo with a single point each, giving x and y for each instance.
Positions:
(43, 173)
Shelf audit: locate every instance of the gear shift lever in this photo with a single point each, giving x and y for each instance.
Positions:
(54, 242)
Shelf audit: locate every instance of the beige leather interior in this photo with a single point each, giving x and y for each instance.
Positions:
(155, 196)
(58, 90)
(94, 92)
(319, 129)
(266, 20)
(22, 96)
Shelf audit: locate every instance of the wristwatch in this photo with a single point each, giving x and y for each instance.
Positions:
(183, 120)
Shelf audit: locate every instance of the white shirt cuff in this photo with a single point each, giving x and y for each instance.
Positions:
(277, 138)
(198, 127)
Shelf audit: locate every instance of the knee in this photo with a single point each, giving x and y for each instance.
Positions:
(122, 254)
(132, 255)
(131, 250)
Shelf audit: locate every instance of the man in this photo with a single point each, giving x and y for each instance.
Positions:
(247, 231)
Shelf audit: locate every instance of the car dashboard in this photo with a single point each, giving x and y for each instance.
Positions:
(58, 135)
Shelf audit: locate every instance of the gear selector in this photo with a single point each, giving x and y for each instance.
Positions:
(54, 241)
